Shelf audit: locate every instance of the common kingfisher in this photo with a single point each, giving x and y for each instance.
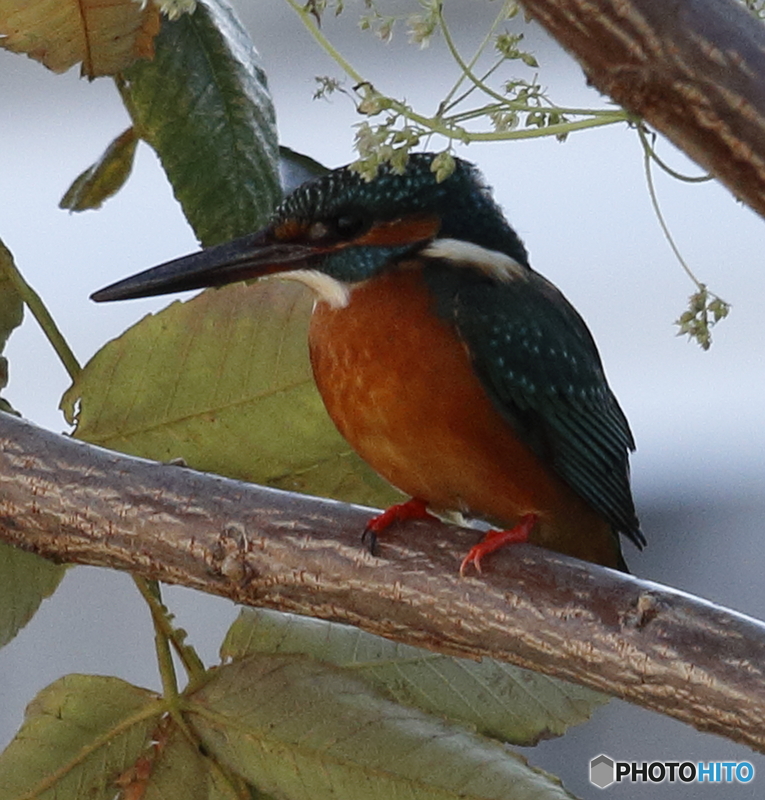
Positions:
(461, 375)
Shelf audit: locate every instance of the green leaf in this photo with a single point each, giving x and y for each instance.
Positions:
(25, 581)
(203, 105)
(79, 735)
(224, 382)
(11, 304)
(105, 178)
(300, 729)
(176, 769)
(500, 700)
(11, 316)
(296, 168)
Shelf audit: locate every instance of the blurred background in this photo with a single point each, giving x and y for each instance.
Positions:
(582, 208)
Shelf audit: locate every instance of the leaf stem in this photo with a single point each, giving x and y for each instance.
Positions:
(467, 68)
(445, 126)
(322, 40)
(167, 635)
(229, 783)
(34, 303)
(452, 131)
(651, 151)
(647, 150)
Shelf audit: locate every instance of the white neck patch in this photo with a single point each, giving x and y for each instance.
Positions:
(328, 290)
(466, 254)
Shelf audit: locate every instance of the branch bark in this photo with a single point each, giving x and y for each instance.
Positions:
(665, 650)
(693, 69)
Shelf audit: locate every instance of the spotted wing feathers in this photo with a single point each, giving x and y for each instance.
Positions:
(538, 361)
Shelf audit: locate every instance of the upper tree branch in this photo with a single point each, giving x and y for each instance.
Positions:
(694, 69)
(654, 646)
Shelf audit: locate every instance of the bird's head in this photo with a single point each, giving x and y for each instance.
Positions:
(347, 229)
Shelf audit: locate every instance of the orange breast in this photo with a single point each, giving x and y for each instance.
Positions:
(400, 387)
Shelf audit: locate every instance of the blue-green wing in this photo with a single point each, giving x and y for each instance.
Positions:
(538, 361)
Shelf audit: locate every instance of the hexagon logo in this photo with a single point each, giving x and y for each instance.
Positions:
(602, 772)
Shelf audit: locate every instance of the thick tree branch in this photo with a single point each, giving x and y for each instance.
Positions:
(651, 645)
(693, 69)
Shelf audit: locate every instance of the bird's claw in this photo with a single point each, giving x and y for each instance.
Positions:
(494, 540)
(411, 509)
(473, 557)
(369, 540)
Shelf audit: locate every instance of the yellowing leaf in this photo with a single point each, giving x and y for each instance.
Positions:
(172, 767)
(11, 316)
(25, 581)
(300, 729)
(104, 178)
(498, 700)
(224, 382)
(79, 735)
(11, 304)
(105, 36)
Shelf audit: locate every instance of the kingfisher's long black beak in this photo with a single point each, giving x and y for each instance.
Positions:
(248, 257)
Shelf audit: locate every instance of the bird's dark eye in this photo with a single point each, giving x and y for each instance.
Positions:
(348, 226)
(342, 228)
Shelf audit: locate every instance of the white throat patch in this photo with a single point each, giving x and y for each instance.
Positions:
(333, 292)
(466, 254)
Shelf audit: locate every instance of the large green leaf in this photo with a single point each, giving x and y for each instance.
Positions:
(499, 700)
(203, 104)
(308, 731)
(25, 581)
(79, 735)
(176, 769)
(224, 382)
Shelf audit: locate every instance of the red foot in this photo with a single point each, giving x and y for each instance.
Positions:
(496, 539)
(412, 509)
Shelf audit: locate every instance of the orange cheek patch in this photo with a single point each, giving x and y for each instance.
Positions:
(417, 228)
(290, 230)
